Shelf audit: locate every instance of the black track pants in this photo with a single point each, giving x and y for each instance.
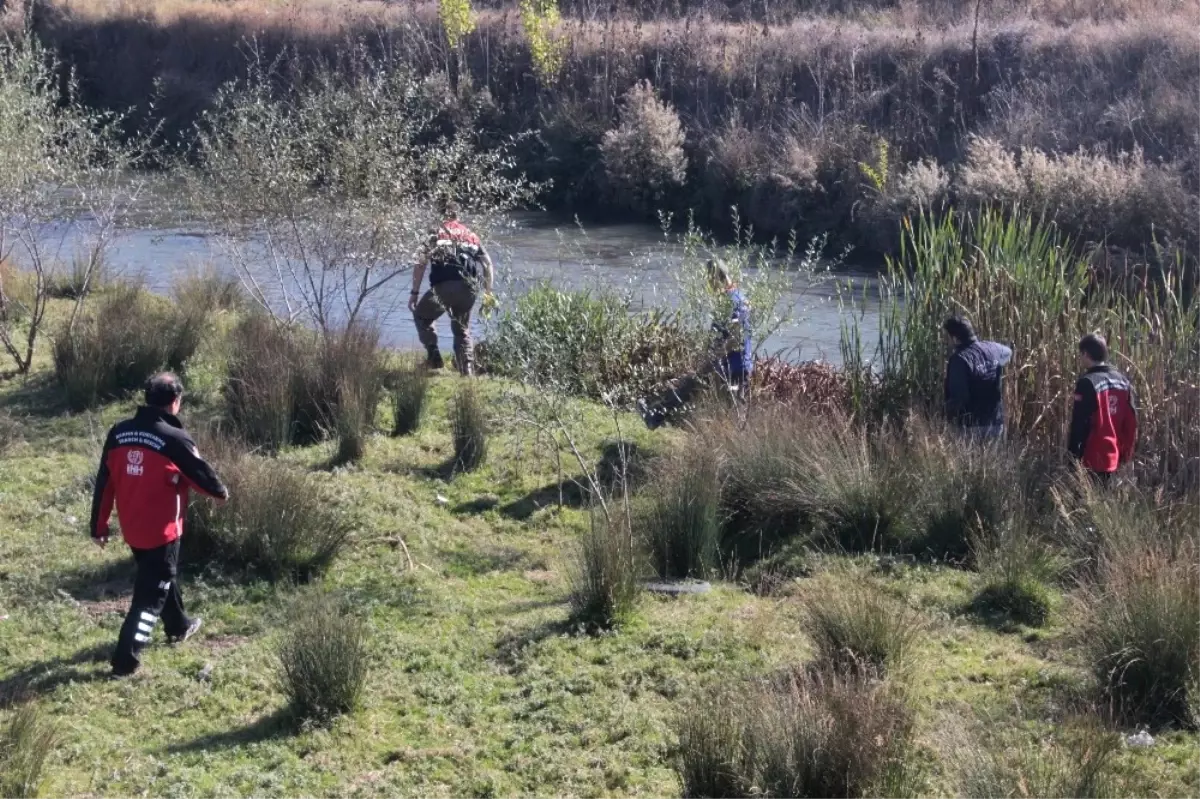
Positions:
(155, 595)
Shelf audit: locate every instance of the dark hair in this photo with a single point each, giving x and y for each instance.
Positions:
(448, 207)
(163, 389)
(717, 273)
(959, 328)
(1095, 347)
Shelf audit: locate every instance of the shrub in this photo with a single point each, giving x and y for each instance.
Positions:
(587, 343)
(604, 575)
(323, 659)
(129, 335)
(209, 288)
(643, 156)
(10, 432)
(808, 734)
(409, 386)
(680, 519)
(862, 629)
(1077, 764)
(469, 427)
(24, 746)
(80, 280)
(280, 522)
(1141, 629)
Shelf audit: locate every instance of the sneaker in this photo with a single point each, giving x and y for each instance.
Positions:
(192, 629)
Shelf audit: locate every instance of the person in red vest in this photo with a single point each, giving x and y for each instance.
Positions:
(459, 267)
(1104, 418)
(148, 466)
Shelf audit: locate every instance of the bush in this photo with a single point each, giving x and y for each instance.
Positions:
(1141, 629)
(643, 157)
(323, 660)
(289, 386)
(807, 734)
(24, 746)
(679, 519)
(1016, 571)
(209, 288)
(862, 629)
(409, 386)
(469, 427)
(604, 575)
(1077, 764)
(587, 343)
(127, 337)
(280, 522)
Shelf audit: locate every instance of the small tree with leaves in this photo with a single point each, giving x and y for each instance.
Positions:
(322, 192)
(458, 22)
(547, 48)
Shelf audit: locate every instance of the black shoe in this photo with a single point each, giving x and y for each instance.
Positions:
(192, 629)
(434, 360)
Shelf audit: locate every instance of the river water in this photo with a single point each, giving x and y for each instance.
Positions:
(527, 248)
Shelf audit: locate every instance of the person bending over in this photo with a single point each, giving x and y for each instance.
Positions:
(147, 468)
(731, 359)
(458, 268)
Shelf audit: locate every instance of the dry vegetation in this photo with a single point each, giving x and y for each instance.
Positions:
(1083, 110)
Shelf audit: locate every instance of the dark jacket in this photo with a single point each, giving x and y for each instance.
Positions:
(734, 336)
(1103, 420)
(975, 384)
(148, 465)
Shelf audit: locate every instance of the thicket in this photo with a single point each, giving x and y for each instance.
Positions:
(782, 105)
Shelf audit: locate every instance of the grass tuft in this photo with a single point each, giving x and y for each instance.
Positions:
(604, 576)
(1080, 764)
(279, 522)
(862, 630)
(24, 747)
(323, 660)
(812, 733)
(469, 426)
(1016, 572)
(409, 386)
(680, 519)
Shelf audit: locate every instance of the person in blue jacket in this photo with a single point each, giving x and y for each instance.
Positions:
(975, 381)
(732, 352)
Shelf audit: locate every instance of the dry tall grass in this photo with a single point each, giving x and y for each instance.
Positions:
(777, 114)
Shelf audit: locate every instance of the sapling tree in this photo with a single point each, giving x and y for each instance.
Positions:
(59, 163)
(321, 192)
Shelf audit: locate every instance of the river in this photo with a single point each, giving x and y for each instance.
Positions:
(528, 247)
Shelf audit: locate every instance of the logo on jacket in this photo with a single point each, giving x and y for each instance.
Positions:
(134, 467)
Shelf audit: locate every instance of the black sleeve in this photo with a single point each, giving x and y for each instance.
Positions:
(182, 451)
(1081, 416)
(102, 495)
(958, 388)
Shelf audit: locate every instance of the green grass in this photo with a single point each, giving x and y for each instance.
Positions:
(477, 684)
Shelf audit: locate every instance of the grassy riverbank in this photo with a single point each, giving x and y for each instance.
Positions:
(479, 682)
(838, 117)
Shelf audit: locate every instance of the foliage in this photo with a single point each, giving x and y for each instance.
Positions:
(644, 157)
(469, 427)
(540, 20)
(52, 147)
(878, 173)
(809, 733)
(290, 386)
(862, 630)
(587, 343)
(1141, 628)
(679, 518)
(604, 573)
(409, 386)
(279, 523)
(25, 745)
(335, 179)
(1078, 762)
(323, 659)
(126, 336)
(1016, 574)
(458, 20)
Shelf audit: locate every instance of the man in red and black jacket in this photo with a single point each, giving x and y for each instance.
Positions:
(1104, 419)
(148, 466)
